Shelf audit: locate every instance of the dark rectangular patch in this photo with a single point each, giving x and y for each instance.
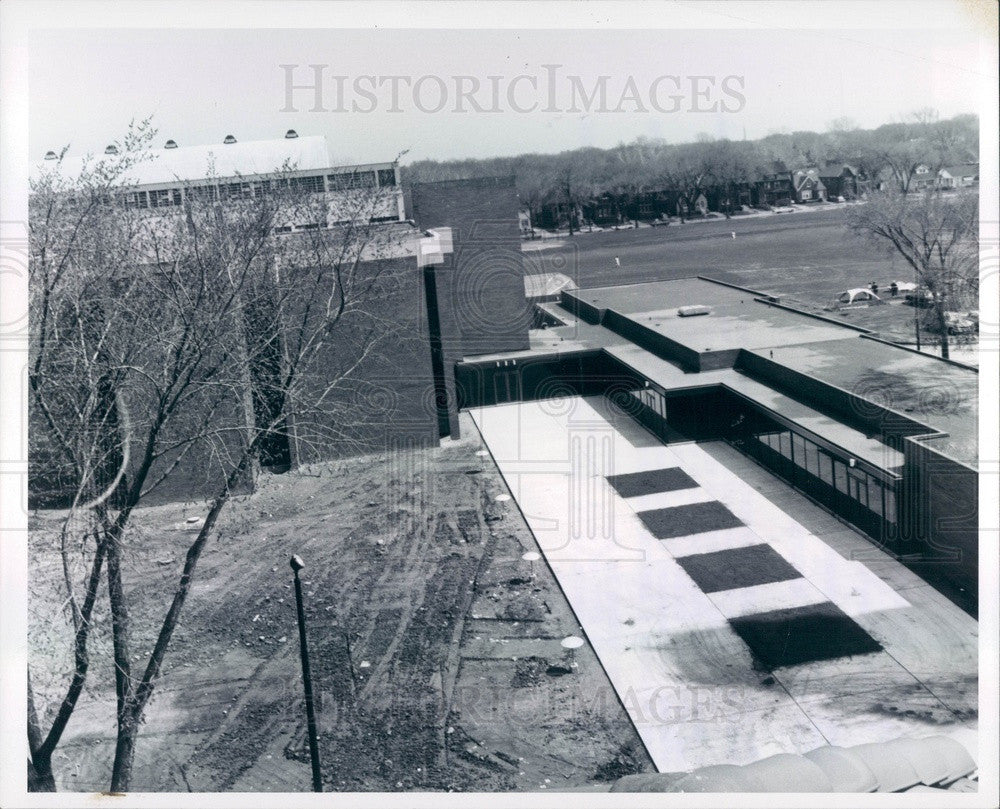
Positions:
(694, 518)
(737, 567)
(637, 484)
(803, 634)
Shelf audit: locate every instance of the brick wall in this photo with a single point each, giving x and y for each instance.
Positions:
(386, 397)
(482, 281)
(479, 298)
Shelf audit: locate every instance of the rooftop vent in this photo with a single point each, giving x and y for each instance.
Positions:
(111, 149)
(229, 139)
(691, 311)
(50, 155)
(170, 144)
(291, 133)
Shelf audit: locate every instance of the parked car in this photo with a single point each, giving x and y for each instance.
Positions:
(955, 322)
(919, 297)
(959, 323)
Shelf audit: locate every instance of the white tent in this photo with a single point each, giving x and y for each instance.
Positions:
(858, 295)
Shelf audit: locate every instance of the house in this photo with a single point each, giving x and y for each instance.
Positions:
(698, 206)
(960, 176)
(557, 215)
(841, 180)
(651, 205)
(524, 221)
(729, 197)
(774, 188)
(807, 186)
(923, 178)
(604, 209)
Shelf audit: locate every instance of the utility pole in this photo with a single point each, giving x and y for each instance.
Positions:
(297, 564)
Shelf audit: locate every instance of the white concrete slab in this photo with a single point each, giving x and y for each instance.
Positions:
(679, 497)
(709, 541)
(686, 678)
(779, 595)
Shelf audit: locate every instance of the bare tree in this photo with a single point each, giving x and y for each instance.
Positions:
(732, 166)
(632, 173)
(936, 234)
(195, 337)
(686, 171)
(572, 186)
(80, 238)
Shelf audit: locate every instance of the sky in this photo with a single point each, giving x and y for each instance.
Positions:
(200, 85)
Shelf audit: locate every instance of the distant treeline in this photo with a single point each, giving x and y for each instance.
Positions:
(889, 155)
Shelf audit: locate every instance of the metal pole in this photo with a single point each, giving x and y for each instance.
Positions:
(297, 564)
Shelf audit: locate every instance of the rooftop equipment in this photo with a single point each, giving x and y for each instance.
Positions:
(692, 311)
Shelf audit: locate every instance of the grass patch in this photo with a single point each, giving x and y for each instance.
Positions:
(737, 567)
(802, 635)
(637, 484)
(693, 518)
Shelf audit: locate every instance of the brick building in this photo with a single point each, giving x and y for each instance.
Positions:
(882, 436)
(443, 300)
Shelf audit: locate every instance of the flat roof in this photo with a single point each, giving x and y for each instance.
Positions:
(736, 320)
(667, 612)
(938, 394)
(922, 387)
(221, 160)
(671, 378)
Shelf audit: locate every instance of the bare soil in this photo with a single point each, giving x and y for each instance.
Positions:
(436, 650)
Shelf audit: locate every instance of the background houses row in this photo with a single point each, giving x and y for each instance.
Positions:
(833, 182)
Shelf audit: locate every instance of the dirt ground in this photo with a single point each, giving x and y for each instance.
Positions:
(436, 648)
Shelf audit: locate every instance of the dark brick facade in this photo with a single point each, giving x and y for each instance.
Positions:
(386, 400)
(476, 296)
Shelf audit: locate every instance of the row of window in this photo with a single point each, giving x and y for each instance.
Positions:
(868, 490)
(654, 400)
(315, 183)
(322, 226)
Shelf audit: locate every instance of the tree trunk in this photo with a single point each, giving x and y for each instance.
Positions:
(119, 620)
(121, 772)
(40, 777)
(132, 703)
(942, 323)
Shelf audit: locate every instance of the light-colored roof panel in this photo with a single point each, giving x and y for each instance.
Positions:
(962, 170)
(190, 163)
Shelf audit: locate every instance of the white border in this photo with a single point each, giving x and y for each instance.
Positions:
(18, 17)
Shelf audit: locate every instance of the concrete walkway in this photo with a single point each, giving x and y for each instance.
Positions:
(837, 643)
